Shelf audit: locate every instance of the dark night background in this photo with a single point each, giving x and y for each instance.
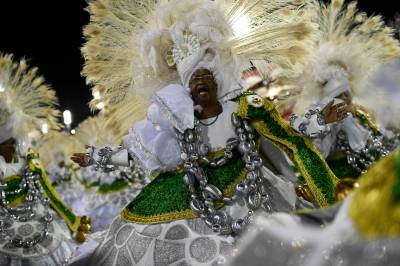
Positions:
(49, 33)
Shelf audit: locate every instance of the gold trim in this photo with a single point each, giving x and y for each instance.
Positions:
(12, 177)
(178, 215)
(156, 219)
(37, 165)
(336, 156)
(261, 127)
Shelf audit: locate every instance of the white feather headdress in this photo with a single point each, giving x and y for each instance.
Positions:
(139, 46)
(26, 102)
(350, 48)
(109, 128)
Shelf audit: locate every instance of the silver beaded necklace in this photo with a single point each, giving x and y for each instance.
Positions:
(361, 160)
(251, 190)
(26, 212)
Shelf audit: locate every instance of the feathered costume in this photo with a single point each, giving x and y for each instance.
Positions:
(363, 229)
(26, 101)
(351, 47)
(130, 45)
(152, 49)
(31, 232)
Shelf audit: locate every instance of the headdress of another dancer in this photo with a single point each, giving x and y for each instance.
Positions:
(58, 147)
(110, 127)
(26, 102)
(351, 47)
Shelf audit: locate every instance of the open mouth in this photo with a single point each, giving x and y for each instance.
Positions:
(202, 90)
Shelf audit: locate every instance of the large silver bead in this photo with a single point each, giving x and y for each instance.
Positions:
(191, 148)
(188, 179)
(213, 192)
(232, 143)
(196, 206)
(250, 167)
(241, 188)
(351, 159)
(221, 218)
(221, 162)
(189, 136)
(244, 148)
(225, 230)
(236, 121)
(247, 126)
(228, 200)
(254, 200)
(237, 226)
(258, 162)
(184, 156)
(204, 149)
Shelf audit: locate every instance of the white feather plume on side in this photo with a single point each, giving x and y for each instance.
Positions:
(109, 128)
(26, 101)
(381, 93)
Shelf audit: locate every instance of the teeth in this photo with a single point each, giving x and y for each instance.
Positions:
(203, 93)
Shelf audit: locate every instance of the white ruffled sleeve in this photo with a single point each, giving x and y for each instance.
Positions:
(152, 146)
(152, 142)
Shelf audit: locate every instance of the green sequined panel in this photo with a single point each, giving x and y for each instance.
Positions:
(342, 169)
(396, 186)
(115, 186)
(168, 192)
(12, 185)
(55, 202)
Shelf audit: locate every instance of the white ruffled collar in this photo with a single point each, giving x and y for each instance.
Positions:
(177, 105)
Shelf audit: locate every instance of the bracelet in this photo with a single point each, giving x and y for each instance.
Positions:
(104, 161)
(292, 119)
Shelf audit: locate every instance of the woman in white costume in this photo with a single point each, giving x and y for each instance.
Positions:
(31, 233)
(201, 146)
(364, 228)
(350, 48)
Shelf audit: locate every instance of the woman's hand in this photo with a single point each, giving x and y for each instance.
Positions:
(82, 159)
(334, 113)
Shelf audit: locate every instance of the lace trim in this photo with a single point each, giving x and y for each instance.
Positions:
(176, 122)
(135, 140)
